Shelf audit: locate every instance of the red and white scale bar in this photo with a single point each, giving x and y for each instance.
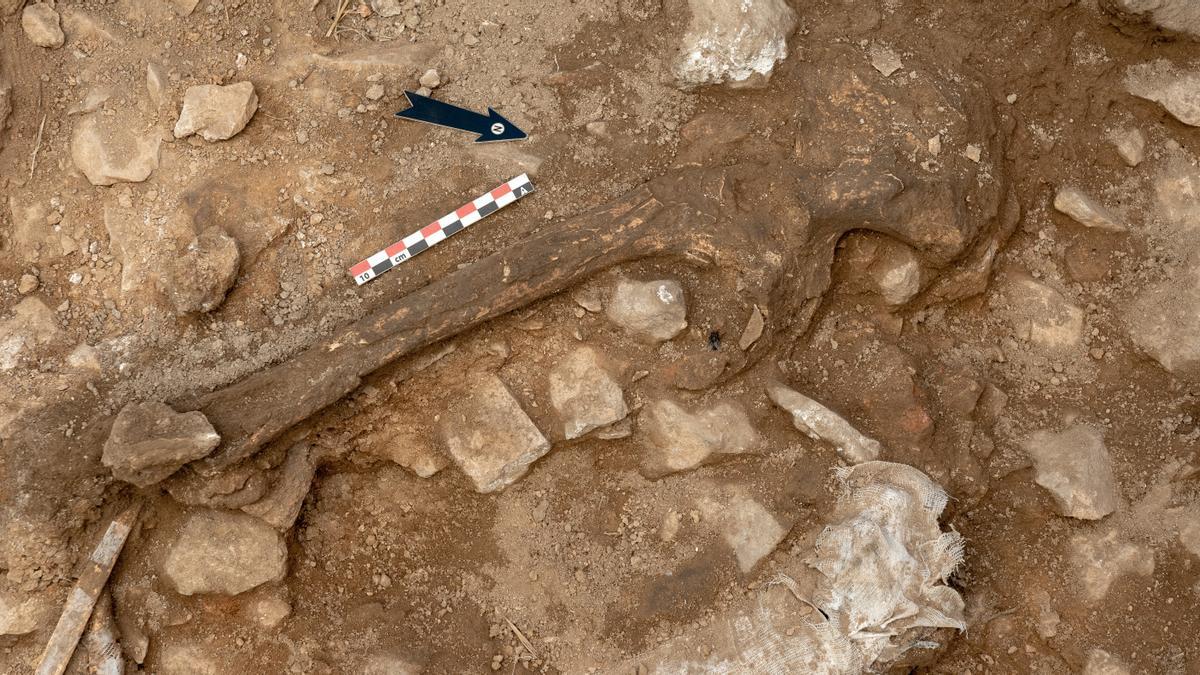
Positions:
(466, 215)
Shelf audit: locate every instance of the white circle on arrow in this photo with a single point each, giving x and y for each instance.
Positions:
(497, 129)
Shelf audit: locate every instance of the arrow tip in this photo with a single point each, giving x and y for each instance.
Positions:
(500, 129)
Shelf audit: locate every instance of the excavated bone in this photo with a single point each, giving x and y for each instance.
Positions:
(878, 590)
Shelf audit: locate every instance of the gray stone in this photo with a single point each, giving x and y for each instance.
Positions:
(490, 437)
(1085, 210)
(884, 59)
(1074, 466)
(1163, 320)
(269, 611)
(1177, 92)
(677, 440)
(1041, 314)
(1181, 16)
(737, 43)
(654, 311)
(107, 152)
(150, 441)
(1130, 144)
(216, 112)
(583, 393)
(198, 279)
(431, 79)
(226, 553)
(822, 424)
(41, 25)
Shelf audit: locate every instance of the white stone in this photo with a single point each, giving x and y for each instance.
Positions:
(653, 311)
(431, 79)
(1074, 466)
(897, 274)
(32, 324)
(269, 612)
(1130, 144)
(584, 394)
(884, 59)
(181, 658)
(676, 440)
(749, 529)
(41, 25)
(387, 8)
(226, 553)
(1177, 92)
(108, 152)
(1100, 662)
(1041, 314)
(1102, 558)
(822, 424)
(490, 437)
(1175, 15)
(1085, 210)
(737, 43)
(216, 112)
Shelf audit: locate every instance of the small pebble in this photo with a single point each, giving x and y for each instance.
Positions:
(28, 284)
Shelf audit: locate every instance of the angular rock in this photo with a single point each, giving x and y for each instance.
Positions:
(32, 324)
(490, 437)
(216, 112)
(156, 83)
(1177, 92)
(737, 43)
(41, 25)
(883, 266)
(280, 507)
(753, 330)
(1100, 662)
(1074, 466)
(583, 393)
(431, 79)
(1182, 16)
(20, 615)
(1130, 144)
(822, 424)
(653, 311)
(1041, 314)
(1085, 210)
(198, 279)
(676, 440)
(1163, 320)
(150, 441)
(1102, 558)
(28, 284)
(387, 8)
(108, 152)
(746, 526)
(884, 60)
(226, 553)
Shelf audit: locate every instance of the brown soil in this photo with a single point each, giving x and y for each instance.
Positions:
(383, 562)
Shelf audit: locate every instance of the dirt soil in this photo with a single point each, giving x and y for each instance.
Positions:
(587, 558)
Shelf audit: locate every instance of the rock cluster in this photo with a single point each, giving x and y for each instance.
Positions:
(150, 441)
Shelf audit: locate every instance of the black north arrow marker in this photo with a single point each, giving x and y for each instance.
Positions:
(490, 127)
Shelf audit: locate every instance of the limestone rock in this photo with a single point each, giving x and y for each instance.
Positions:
(1163, 320)
(753, 329)
(583, 393)
(411, 450)
(676, 440)
(1130, 144)
(1075, 467)
(27, 284)
(882, 266)
(226, 553)
(269, 611)
(216, 112)
(431, 79)
(1177, 195)
(107, 152)
(1041, 314)
(822, 424)
(1182, 16)
(1102, 558)
(387, 8)
(156, 83)
(20, 614)
(281, 506)
(150, 441)
(490, 437)
(1085, 210)
(1177, 92)
(654, 311)
(884, 60)
(41, 25)
(749, 529)
(198, 280)
(32, 324)
(182, 658)
(737, 43)
(1100, 662)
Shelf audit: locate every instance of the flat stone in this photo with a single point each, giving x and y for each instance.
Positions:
(1085, 210)
(652, 311)
(1176, 91)
(216, 112)
(31, 325)
(884, 59)
(1101, 558)
(150, 441)
(108, 152)
(736, 43)
(1042, 315)
(753, 329)
(749, 529)
(41, 25)
(198, 279)
(822, 424)
(1074, 466)
(281, 506)
(1163, 320)
(490, 437)
(676, 440)
(1130, 145)
(226, 553)
(584, 394)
